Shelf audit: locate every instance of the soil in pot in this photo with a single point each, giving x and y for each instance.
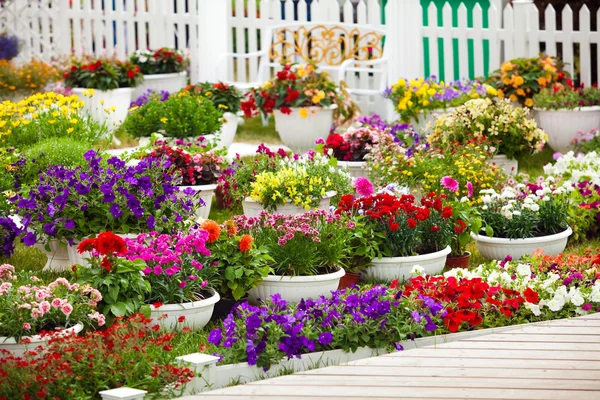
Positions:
(348, 280)
(224, 307)
(459, 261)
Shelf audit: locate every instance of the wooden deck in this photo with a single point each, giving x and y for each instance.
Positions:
(556, 360)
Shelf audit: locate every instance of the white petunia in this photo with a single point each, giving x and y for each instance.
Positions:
(534, 308)
(417, 270)
(524, 269)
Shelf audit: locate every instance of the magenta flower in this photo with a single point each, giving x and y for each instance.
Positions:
(470, 189)
(449, 183)
(363, 187)
(182, 284)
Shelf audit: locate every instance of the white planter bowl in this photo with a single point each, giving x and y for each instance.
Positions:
(498, 248)
(295, 288)
(299, 134)
(253, 209)
(81, 259)
(206, 194)
(510, 167)
(58, 257)
(171, 83)
(562, 125)
(227, 132)
(356, 169)
(197, 313)
(18, 349)
(425, 123)
(390, 268)
(119, 98)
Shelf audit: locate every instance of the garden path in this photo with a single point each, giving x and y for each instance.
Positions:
(556, 360)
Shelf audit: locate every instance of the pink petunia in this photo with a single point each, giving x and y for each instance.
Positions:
(363, 187)
(449, 183)
(470, 189)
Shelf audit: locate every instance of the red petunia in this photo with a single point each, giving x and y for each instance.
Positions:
(531, 296)
(285, 110)
(86, 245)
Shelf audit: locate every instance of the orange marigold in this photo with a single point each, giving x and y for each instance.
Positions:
(213, 229)
(246, 243)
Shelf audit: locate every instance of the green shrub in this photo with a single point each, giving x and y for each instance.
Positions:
(179, 116)
(53, 151)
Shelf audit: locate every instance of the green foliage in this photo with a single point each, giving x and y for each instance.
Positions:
(53, 151)
(179, 116)
(161, 61)
(225, 97)
(102, 74)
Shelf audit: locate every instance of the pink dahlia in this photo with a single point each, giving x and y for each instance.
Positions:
(449, 183)
(363, 187)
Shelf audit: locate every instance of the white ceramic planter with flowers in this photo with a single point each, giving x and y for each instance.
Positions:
(195, 314)
(427, 120)
(509, 166)
(562, 125)
(390, 268)
(106, 106)
(303, 126)
(253, 209)
(29, 343)
(171, 83)
(227, 133)
(356, 169)
(294, 288)
(58, 256)
(499, 248)
(205, 192)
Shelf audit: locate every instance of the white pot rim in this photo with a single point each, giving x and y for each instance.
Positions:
(541, 239)
(351, 163)
(417, 258)
(193, 304)
(328, 195)
(212, 186)
(150, 77)
(331, 107)
(568, 110)
(122, 90)
(37, 338)
(306, 278)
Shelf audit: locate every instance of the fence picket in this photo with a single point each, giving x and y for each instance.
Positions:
(533, 36)
(550, 18)
(252, 39)
(461, 35)
(448, 45)
(120, 31)
(373, 12)
(434, 66)
(494, 39)
(76, 26)
(361, 12)
(585, 62)
(509, 26)
(567, 38)
(478, 39)
(348, 12)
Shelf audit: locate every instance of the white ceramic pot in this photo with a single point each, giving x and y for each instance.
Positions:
(356, 169)
(205, 192)
(298, 133)
(226, 134)
(510, 167)
(295, 288)
(18, 349)
(390, 268)
(81, 259)
(98, 105)
(425, 123)
(171, 83)
(562, 125)
(58, 256)
(253, 209)
(196, 313)
(498, 248)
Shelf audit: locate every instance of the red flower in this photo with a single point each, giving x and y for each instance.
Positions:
(181, 319)
(435, 228)
(157, 304)
(86, 245)
(108, 243)
(531, 296)
(106, 264)
(412, 223)
(285, 110)
(506, 311)
(460, 226)
(447, 212)
(282, 75)
(130, 74)
(246, 243)
(292, 95)
(394, 284)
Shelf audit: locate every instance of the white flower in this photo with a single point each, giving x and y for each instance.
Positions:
(417, 270)
(487, 199)
(535, 207)
(534, 308)
(577, 300)
(555, 304)
(523, 269)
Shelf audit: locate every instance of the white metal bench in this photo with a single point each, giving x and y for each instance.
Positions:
(352, 53)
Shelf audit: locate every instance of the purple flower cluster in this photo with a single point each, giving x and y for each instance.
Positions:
(149, 95)
(8, 233)
(9, 46)
(403, 134)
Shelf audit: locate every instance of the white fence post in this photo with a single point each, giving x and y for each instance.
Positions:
(521, 26)
(203, 364)
(213, 36)
(404, 42)
(123, 393)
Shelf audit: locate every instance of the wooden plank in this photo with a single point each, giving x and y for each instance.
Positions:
(524, 337)
(560, 330)
(538, 346)
(289, 396)
(442, 353)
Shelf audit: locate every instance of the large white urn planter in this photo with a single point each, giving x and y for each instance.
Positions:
(253, 209)
(498, 248)
(510, 167)
(171, 83)
(32, 342)
(426, 122)
(299, 133)
(356, 169)
(98, 104)
(205, 192)
(58, 256)
(81, 259)
(562, 125)
(295, 288)
(196, 313)
(227, 132)
(390, 268)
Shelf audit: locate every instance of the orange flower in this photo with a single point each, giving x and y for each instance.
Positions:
(213, 229)
(231, 228)
(246, 243)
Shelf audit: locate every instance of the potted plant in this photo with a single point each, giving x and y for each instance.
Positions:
(564, 110)
(507, 131)
(411, 234)
(163, 69)
(308, 251)
(105, 86)
(181, 277)
(304, 102)
(225, 98)
(9, 46)
(520, 79)
(28, 308)
(420, 101)
(19, 80)
(519, 220)
(70, 204)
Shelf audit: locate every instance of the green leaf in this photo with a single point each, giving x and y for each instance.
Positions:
(119, 309)
(489, 231)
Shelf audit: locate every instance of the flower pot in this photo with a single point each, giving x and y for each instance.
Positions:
(171, 83)
(206, 194)
(458, 261)
(253, 209)
(98, 103)
(196, 313)
(227, 132)
(426, 122)
(224, 307)
(19, 348)
(348, 280)
(498, 248)
(58, 256)
(81, 259)
(562, 125)
(298, 133)
(356, 169)
(510, 167)
(390, 268)
(295, 288)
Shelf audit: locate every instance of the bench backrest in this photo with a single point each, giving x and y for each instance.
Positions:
(325, 44)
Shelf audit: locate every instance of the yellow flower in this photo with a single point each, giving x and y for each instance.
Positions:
(513, 97)
(542, 81)
(301, 71)
(164, 120)
(70, 130)
(304, 112)
(318, 97)
(518, 81)
(521, 92)
(528, 103)
(101, 102)
(223, 106)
